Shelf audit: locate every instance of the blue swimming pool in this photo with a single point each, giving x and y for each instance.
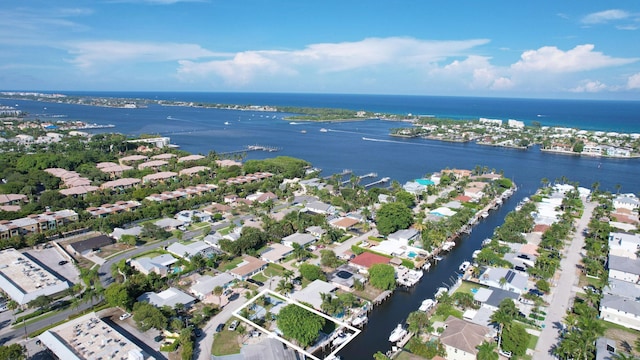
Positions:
(474, 290)
(412, 254)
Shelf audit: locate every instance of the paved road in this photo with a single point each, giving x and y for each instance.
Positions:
(565, 289)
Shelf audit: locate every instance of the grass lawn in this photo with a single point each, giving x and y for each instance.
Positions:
(273, 270)
(466, 287)
(369, 293)
(225, 343)
(225, 231)
(260, 277)
(231, 264)
(533, 340)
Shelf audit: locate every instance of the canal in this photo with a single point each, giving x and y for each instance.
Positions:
(385, 317)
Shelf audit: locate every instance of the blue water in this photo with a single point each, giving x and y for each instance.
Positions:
(366, 147)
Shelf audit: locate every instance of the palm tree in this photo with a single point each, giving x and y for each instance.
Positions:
(217, 291)
(503, 316)
(623, 356)
(284, 287)
(487, 351)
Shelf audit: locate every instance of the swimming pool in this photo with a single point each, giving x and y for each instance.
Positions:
(412, 254)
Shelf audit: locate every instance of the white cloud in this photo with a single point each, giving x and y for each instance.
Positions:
(627, 27)
(589, 86)
(580, 58)
(88, 55)
(634, 81)
(325, 58)
(605, 16)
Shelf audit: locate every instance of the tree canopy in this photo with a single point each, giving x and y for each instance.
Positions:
(393, 217)
(300, 324)
(382, 276)
(311, 272)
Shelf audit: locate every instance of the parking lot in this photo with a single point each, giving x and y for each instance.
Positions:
(127, 327)
(51, 257)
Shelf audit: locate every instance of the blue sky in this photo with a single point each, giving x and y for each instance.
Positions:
(542, 49)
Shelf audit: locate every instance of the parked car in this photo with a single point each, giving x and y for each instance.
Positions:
(227, 292)
(506, 354)
(158, 338)
(591, 288)
(233, 325)
(125, 316)
(536, 292)
(220, 327)
(259, 283)
(62, 262)
(234, 296)
(197, 332)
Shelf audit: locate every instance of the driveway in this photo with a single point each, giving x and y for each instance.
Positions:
(342, 248)
(565, 289)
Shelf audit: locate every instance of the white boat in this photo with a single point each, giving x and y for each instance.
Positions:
(303, 131)
(226, 123)
(323, 130)
(475, 254)
(360, 320)
(426, 266)
(441, 290)
(410, 277)
(486, 242)
(464, 266)
(484, 215)
(340, 338)
(427, 304)
(448, 245)
(397, 334)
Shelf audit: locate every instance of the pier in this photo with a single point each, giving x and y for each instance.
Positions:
(384, 180)
(371, 174)
(248, 148)
(343, 173)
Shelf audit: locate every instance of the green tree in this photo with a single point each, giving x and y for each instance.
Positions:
(41, 301)
(311, 272)
(300, 324)
(148, 316)
(117, 295)
(217, 291)
(515, 339)
(382, 276)
(12, 352)
(392, 217)
(487, 351)
(380, 356)
(328, 258)
(418, 321)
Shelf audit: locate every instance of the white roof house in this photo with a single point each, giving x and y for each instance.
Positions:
(626, 201)
(624, 268)
(623, 244)
(118, 232)
(620, 310)
(515, 282)
(169, 297)
(168, 223)
(159, 264)
(275, 253)
(297, 238)
(311, 294)
(187, 251)
(319, 207)
(404, 236)
(205, 284)
(413, 187)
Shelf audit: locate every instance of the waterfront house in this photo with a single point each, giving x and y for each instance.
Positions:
(626, 201)
(188, 158)
(366, 260)
(461, 338)
(311, 293)
(227, 163)
(415, 188)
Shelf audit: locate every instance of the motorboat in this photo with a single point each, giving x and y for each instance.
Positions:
(397, 334)
(464, 266)
(360, 320)
(475, 254)
(448, 245)
(340, 338)
(427, 304)
(486, 242)
(226, 123)
(323, 130)
(440, 291)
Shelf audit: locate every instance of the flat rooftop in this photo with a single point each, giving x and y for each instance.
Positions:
(24, 280)
(88, 337)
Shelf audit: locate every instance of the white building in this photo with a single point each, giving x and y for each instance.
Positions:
(170, 297)
(88, 337)
(205, 284)
(623, 244)
(24, 280)
(187, 251)
(159, 264)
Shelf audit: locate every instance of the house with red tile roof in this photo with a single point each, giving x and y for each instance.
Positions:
(366, 260)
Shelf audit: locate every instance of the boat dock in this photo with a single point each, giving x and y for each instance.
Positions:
(382, 297)
(371, 174)
(343, 173)
(381, 181)
(248, 148)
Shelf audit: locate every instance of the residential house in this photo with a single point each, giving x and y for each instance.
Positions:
(114, 170)
(133, 231)
(36, 223)
(414, 187)
(159, 177)
(168, 224)
(120, 184)
(79, 191)
(319, 207)
(187, 158)
(153, 164)
(343, 223)
(248, 267)
(316, 231)
(297, 238)
(475, 190)
(275, 253)
(165, 156)
(195, 170)
(267, 349)
(159, 264)
(84, 247)
(311, 293)
(170, 297)
(624, 268)
(404, 237)
(461, 338)
(624, 244)
(188, 251)
(187, 216)
(262, 197)
(366, 260)
(620, 310)
(205, 284)
(506, 279)
(132, 158)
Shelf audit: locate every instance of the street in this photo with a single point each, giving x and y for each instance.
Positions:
(565, 290)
